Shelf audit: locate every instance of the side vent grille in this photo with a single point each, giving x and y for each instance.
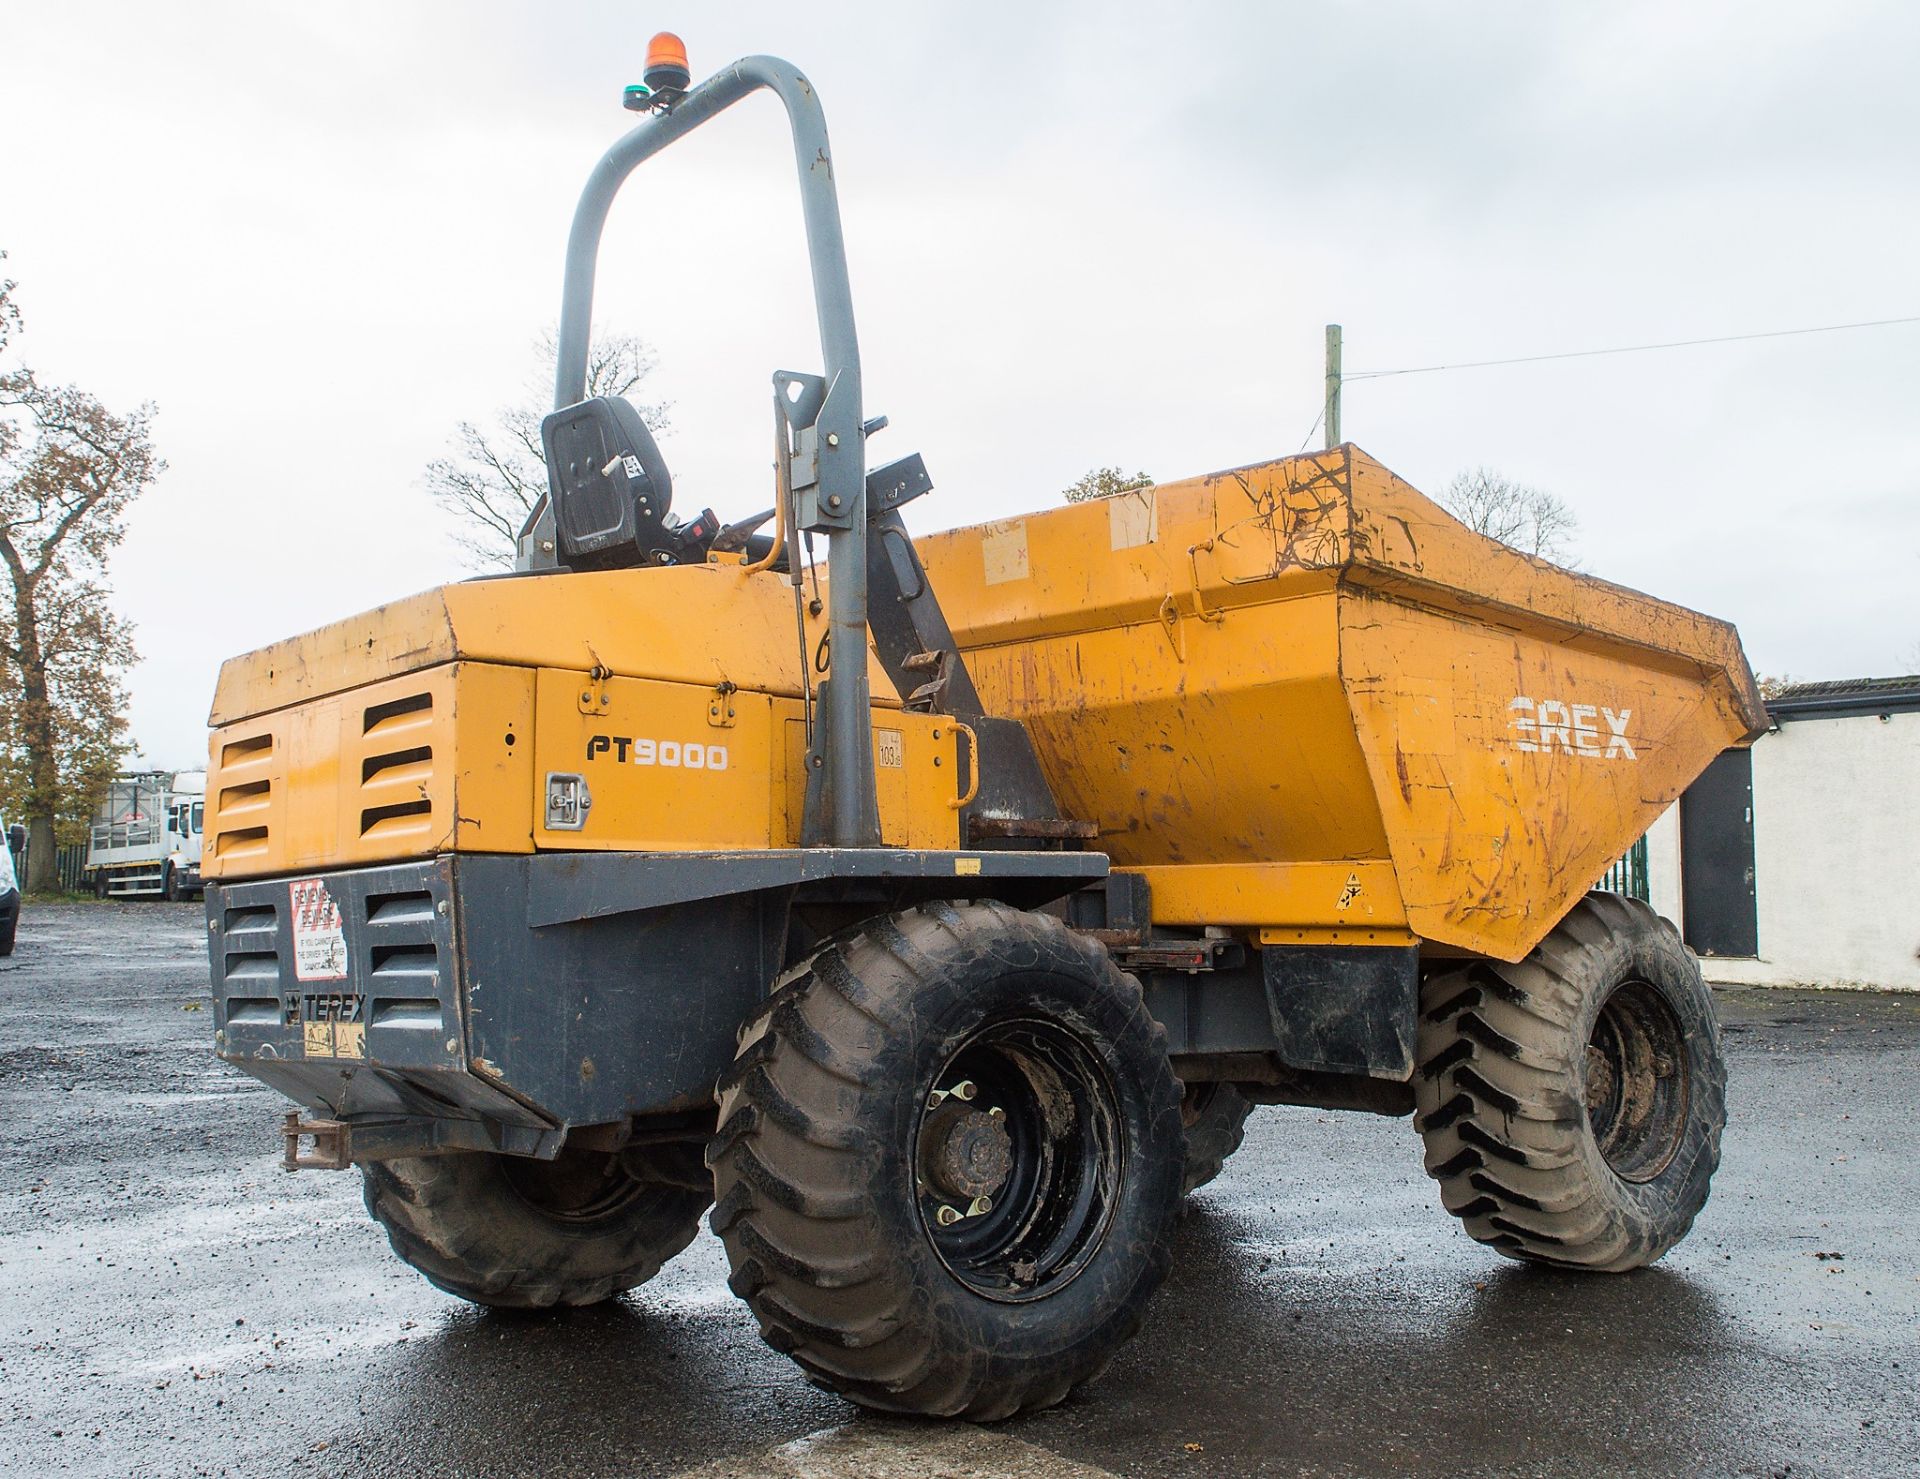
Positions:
(396, 769)
(242, 794)
(253, 965)
(241, 842)
(413, 712)
(407, 908)
(240, 751)
(253, 919)
(250, 965)
(403, 982)
(399, 818)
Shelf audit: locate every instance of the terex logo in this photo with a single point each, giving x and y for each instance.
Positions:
(1545, 724)
(687, 755)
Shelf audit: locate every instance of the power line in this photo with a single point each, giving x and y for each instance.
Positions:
(1533, 359)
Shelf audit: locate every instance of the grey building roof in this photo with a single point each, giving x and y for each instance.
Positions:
(1840, 696)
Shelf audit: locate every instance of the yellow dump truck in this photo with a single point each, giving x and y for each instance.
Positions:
(936, 919)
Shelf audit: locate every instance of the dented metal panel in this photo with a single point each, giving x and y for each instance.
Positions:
(1270, 684)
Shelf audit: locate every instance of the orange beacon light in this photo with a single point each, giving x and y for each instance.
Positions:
(666, 77)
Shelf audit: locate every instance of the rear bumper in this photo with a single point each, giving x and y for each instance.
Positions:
(527, 995)
(421, 992)
(343, 991)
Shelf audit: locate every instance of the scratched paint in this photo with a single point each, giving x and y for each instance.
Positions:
(1310, 666)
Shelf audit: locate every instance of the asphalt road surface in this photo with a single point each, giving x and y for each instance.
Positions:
(171, 1302)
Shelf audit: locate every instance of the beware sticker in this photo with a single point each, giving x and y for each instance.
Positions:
(319, 943)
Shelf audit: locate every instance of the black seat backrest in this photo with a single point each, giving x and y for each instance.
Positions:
(610, 488)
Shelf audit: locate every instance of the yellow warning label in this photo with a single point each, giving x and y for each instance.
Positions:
(966, 865)
(334, 1039)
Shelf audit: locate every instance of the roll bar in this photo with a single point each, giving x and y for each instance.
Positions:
(829, 473)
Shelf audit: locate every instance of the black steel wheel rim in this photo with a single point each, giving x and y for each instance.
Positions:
(1029, 1113)
(1637, 1081)
(575, 1186)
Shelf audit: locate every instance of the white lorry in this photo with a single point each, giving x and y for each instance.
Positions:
(145, 841)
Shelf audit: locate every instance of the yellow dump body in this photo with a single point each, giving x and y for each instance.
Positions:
(1305, 700)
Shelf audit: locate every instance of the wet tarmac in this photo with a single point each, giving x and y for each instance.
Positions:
(173, 1303)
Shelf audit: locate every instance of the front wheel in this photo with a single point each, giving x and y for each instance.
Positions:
(170, 885)
(1572, 1104)
(518, 1233)
(949, 1162)
(1215, 1117)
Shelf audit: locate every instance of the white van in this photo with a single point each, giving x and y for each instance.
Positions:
(16, 842)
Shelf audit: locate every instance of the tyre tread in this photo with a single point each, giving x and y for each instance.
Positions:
(1496, 1105)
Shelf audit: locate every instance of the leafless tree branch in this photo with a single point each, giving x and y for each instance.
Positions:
(494, 474)
(1522, 517)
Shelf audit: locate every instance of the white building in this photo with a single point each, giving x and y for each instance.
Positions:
(1797, 862)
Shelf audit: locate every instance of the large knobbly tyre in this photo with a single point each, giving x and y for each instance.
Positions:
(524, 1234)
(1215, 1117)
(1572, 1104)
(949, 1161)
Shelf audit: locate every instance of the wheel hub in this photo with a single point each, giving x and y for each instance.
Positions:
(1636, 1082)
(1602, 1081)
(1017, 1159)
(966, 1152)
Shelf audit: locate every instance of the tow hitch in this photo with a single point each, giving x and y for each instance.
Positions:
(329, 1138)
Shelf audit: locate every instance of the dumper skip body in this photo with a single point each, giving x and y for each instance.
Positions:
(1301, 697)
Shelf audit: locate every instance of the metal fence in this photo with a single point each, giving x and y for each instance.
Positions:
(69, 863)
(1628, 875)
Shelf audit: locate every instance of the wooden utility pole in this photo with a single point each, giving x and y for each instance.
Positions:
(1330, 414)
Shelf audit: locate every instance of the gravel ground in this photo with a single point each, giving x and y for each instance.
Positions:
(172, 1303)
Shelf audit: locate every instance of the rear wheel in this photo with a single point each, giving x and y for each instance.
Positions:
(1215, 1118)
(518, 1233)
(1572, 1104)
(949, 1160)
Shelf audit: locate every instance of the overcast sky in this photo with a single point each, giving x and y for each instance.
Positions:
(317, 236)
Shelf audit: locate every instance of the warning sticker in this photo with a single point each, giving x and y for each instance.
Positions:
(319, 944)
(334, 1039)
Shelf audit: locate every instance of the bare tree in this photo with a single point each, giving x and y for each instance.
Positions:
(496, 473)
(69, 471)
(1525, 518)
(1104, 482)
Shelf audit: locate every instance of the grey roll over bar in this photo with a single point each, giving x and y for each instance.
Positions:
(829, 476)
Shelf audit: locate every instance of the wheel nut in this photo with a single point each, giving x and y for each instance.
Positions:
(980, 1206)
(947, 1216)
(965, 1089)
